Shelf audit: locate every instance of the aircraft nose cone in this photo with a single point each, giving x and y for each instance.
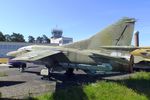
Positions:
(12, 53)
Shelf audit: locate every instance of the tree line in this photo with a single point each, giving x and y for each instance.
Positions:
(17, 37)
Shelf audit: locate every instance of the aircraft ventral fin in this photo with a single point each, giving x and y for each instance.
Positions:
(36, 55)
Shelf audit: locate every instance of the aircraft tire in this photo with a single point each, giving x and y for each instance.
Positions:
(131, 63)
(22, 67)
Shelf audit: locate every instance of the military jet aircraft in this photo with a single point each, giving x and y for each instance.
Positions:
(142, 54)
(89, 55)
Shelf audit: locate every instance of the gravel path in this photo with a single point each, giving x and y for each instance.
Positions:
(19, 85)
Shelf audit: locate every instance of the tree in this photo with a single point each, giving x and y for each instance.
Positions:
(45, 39)
(39, 39)
(7, 38)
(17, 37)
(31, 39)
(2, 37)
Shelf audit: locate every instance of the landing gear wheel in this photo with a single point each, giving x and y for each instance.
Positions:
(50, 70)
(22, 67)
(131, 63)
(47, 72)
(69, 72)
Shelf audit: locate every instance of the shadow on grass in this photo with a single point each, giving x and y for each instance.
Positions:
(70, 88)
(141, 86)
(74, 93)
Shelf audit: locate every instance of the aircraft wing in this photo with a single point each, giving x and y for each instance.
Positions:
(36, 55)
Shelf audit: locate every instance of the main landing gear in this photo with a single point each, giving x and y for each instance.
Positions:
(69, 72)
(46, 72)
(131, 63)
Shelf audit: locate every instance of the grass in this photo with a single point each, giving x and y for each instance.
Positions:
(137, 87)
(2, 74)
(111, 91)
(139, 82)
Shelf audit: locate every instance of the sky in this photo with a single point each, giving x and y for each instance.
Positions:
(79, 19)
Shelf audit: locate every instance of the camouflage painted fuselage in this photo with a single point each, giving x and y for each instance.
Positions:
(88, 60)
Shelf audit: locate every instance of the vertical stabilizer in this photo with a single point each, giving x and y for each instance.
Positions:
(118, 34)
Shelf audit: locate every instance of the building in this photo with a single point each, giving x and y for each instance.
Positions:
(58, 39)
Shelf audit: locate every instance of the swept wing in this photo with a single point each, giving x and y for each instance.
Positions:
(35, 55)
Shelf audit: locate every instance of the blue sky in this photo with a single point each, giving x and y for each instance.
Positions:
(78, 18)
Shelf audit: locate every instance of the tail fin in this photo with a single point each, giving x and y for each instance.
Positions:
(118, 34)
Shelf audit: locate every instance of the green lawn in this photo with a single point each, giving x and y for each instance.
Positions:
(139, 82)
(136, 87)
